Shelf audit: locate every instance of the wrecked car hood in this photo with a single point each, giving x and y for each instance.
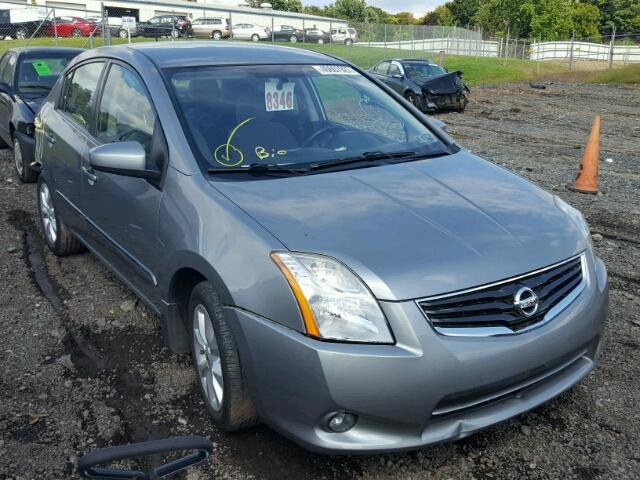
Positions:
(444, 84)
(418, 228)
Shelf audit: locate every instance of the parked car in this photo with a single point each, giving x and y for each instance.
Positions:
(348, 36)
(428, 86)
(337, 265)
(249, 31)
(26, 77)
(73, 27)
(287, 33)
(165, 26)
(315, 35)
(22, 23)
(211, 27)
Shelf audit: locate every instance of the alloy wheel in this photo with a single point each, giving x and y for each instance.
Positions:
(216, 35)
(208, 360)
(293, 39)
(17, 156)
(48, 214)
(76, 33)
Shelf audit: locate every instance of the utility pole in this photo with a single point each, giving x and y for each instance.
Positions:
(611, 47)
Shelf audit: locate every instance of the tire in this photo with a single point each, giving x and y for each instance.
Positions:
(76, 33)
(123, 33)
(22, 33)
(213, 343)
(348, 42)
(23, 170)
(216, 35)
(320, 41)
(411, 97)
(175, 33)
(293, 39)
(255, 37)
(62, 242)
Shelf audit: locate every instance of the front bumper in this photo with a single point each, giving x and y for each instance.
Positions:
(454, 101)
(425, 389)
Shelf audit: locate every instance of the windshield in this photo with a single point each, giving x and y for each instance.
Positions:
(417, 70)
(292, 115)
(38, 74)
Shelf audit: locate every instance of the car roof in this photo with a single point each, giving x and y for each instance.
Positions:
(413, 60)
(40, 50)
(196, 53)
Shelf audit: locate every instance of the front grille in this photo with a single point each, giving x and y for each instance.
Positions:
(493, 305)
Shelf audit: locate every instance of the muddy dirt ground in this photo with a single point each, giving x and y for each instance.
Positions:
(82, 365)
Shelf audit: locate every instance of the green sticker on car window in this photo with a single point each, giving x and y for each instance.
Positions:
(42, 68)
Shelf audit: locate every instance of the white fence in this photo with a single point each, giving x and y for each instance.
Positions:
(578, 50)
(451, 46)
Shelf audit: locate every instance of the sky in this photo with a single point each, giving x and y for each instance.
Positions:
(417, 7)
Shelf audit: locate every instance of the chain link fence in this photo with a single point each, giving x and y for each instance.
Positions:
(27, 24)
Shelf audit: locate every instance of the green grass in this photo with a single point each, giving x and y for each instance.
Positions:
(477, 71)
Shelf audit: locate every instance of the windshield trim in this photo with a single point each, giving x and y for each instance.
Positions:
(450, 146)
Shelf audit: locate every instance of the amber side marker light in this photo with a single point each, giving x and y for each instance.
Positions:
(305, 309)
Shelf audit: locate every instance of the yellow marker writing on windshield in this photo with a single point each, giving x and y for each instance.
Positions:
(225, 159)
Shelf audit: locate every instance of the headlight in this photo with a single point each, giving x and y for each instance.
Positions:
(334, 303)
(575, 215)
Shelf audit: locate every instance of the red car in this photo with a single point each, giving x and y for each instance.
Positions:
(72, 27)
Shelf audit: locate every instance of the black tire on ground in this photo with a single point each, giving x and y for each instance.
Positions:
(236, 410)
(64, 243)
(122, 33)
(411, 97)
(76, 33)
(22, 33)
(216, 35)
(348, 41)
(255, 37)
(293, 39)
(25, 173)
(321, 41)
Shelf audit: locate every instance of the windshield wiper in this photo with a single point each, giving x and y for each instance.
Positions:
(34, 85)
(256, 168)
(365, 157)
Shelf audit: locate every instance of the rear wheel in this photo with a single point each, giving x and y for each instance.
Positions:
(175, 33)
(255, 37)
(59, 239)
(123, 33)
(293, 39)
(216, 35)
(22, 33)
(321, 41)
(217, 362)
(76, 33)
(22, 168)
(348, 41)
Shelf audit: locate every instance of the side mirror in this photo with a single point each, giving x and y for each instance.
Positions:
(398, 76)
(122, 158)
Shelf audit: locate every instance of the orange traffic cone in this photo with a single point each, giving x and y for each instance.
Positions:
(587, 178)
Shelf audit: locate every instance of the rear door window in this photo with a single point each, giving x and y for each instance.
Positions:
(80, 92)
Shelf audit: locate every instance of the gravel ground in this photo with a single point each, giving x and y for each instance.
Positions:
(83, 367)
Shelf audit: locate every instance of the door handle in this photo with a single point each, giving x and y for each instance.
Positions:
(91, 176)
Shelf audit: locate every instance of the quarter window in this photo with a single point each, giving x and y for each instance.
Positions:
(80, 92)
(6, 71)
(125, 113)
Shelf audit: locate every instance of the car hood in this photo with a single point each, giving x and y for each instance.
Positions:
(444, 84)
(416, 229)
(34, 102)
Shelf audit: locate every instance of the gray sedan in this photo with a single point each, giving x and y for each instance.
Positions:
(338, 267)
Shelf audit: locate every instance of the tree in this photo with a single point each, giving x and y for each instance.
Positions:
(624, 14)
(431, 18)
(585, 20)
(404, 18)
(463, 11)
(445, 17)
(354, 10)
(284, 5)
(497, 17)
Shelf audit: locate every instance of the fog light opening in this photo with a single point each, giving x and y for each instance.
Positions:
(340, 422)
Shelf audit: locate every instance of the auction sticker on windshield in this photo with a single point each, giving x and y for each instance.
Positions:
(278, 96)
(335, 70)
(42, 68)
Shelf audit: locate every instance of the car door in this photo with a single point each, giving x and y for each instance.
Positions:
(7, 73)
(199, 27)
(380, 71)
(66, 137)
(395, 78)
(123, 210)
(241, 31)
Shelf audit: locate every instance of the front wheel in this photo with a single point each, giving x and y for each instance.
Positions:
(76, 33)
(255, 37)
(348, 41)
(293, 39)
(320, 41)
(22, 167)
(216, 35)
(217, 362)
(22, 33)
(175, 33)
(59, 239)
(123, 33)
